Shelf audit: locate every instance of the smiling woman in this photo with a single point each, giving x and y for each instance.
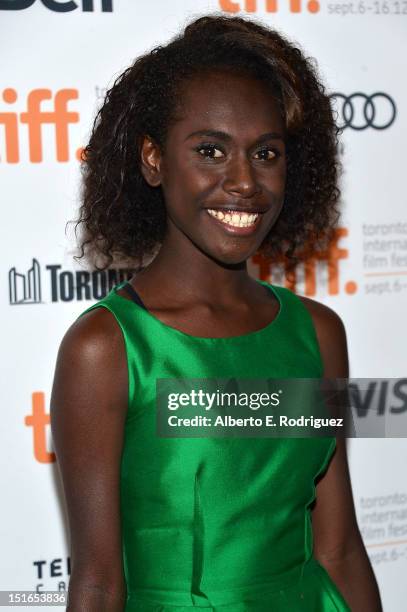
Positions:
(216, 146)
(123, 215)
(217, 178)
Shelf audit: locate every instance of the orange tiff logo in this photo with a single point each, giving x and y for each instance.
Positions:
(39, 420)
(330, 257)
(35, 118)
(271, 6)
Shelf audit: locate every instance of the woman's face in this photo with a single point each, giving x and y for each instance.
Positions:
(223, 170)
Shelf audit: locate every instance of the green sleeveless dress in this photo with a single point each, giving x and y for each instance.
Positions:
(219, 524)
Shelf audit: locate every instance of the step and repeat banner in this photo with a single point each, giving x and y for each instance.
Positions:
(57, 59)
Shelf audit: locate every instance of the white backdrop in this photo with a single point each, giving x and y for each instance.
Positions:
(57, 58)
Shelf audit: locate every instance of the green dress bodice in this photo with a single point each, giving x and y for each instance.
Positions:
(221, 524)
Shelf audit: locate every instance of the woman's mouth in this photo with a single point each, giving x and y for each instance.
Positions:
(233, 218)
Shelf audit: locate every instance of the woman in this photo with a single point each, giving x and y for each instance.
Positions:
(207, 150)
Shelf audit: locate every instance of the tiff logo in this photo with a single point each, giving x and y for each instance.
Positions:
(25, 288)
(331, 257)
(271, 6)
(57, 6)
(35, 117)
(39, 420)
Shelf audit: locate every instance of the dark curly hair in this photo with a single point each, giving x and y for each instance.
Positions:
(122, 216)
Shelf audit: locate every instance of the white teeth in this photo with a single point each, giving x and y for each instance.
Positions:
(234, 218)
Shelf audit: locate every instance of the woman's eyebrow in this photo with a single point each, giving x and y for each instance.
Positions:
(270, 136)
(227, 137)
(212, 133)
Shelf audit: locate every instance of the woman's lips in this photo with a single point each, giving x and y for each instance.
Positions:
(235, 222)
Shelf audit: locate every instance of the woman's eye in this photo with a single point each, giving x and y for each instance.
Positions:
(267, 154)
(209, 151)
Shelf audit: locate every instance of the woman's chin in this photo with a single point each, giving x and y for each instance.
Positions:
(231, 257)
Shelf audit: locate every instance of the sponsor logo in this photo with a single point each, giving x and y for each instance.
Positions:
(49, 569)
(359, 111)
(59, 6)
(270, 6)
(25, 288)
(329, 258)
(378, 396)
(63, 285)
(35, 117)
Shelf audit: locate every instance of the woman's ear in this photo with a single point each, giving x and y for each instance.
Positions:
(150, 155)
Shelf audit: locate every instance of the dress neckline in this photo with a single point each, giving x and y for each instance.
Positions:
(147, 314)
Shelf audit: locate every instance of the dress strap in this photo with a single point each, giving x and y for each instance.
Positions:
(133, 294)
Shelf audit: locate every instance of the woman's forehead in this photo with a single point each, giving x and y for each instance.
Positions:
(220, 99)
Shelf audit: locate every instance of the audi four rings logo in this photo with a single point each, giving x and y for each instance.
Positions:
(359, 111)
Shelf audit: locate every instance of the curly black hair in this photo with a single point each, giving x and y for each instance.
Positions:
(122, 216)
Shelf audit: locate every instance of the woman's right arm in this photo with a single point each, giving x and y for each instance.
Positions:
(88, 410)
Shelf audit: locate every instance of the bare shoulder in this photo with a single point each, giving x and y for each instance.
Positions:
(331, 335)
(95, 335)
(323, 316)
(91, 363)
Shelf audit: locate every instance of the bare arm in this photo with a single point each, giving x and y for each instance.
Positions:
(88, 409)
(338, 545)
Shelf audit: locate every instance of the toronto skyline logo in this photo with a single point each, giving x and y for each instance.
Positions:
(62, 285)
(25, 288)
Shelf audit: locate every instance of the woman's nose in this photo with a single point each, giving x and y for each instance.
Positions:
(240, 179)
